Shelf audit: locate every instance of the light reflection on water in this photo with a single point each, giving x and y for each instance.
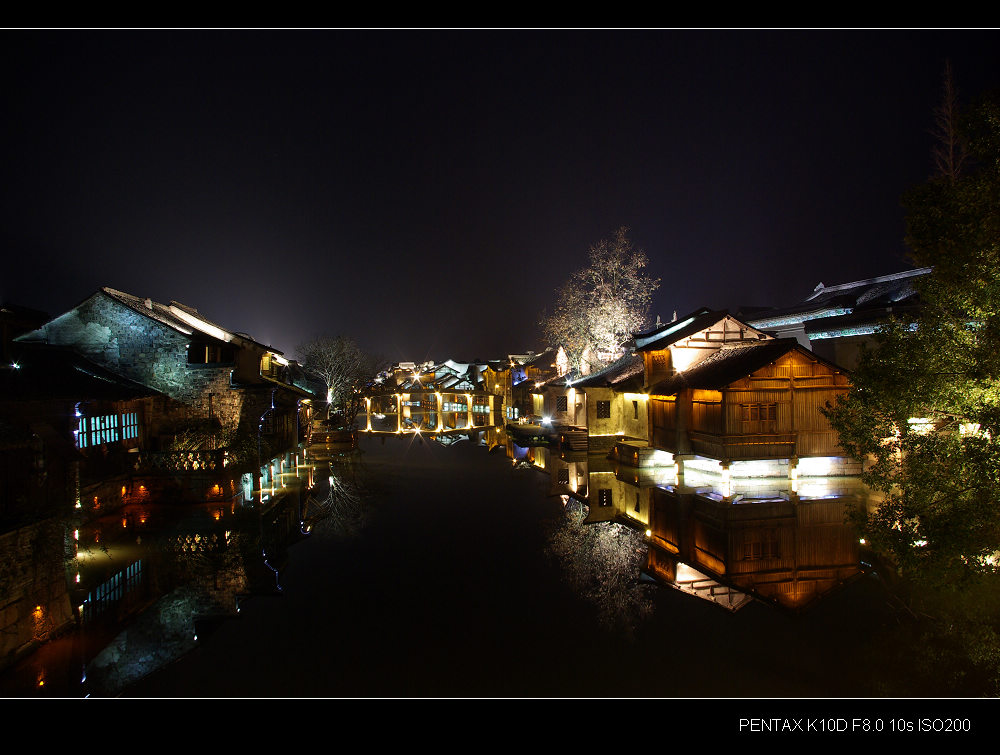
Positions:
(600, 545)
(145, 581)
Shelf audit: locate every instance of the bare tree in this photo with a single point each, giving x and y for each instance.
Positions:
(949, 152)
(344, 368)
(602, 305)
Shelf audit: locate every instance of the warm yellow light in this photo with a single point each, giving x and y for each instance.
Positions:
(682, 357)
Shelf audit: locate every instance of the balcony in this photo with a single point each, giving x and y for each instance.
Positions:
(744, 447)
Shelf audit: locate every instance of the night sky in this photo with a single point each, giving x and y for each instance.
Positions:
(424, 192)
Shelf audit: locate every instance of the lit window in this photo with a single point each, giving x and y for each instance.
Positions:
(759, 418)
(97, 431)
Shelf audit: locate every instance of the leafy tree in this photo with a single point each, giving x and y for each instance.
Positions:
(344, 368)
(924, 407)
(598, 309)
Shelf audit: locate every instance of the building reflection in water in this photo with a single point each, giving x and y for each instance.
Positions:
(729, 536)
(148, 579)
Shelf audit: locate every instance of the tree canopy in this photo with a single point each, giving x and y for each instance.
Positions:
(600, 307)
(924, 407)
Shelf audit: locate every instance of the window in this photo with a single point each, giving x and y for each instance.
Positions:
(96, 431)
(637, 509)
(604, 497)
(267, 423)
(759, 418)
(561, 403)
(604, 410)
(760, 545)
(130, 426)
(564, 476)
(214, 353)
(635, 410)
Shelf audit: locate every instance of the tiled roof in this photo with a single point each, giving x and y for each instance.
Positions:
(869, 295)
(730, 364)
(168, 315)
(619, 371)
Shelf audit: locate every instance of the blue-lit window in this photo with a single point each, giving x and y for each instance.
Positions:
(130, 426)
(107, 428)
(96, 431)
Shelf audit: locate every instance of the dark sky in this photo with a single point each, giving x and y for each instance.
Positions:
(424, 192)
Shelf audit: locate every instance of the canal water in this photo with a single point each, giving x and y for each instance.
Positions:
(434, 570)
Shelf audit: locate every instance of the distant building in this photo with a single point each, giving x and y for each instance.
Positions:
(432, 397)
(834, 321)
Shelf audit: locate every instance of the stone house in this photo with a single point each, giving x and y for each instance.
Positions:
(222, 398)
(66, 431)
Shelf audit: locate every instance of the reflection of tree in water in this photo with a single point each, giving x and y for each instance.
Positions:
(603, 562)
(344, 510)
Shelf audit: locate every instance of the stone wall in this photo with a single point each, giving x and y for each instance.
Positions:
(34, 601)
(149, 352)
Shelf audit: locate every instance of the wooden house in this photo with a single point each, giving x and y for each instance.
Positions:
(748, 401)
(680, 345)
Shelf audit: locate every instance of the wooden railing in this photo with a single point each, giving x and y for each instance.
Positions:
(737, 447)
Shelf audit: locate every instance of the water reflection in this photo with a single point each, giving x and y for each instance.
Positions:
(174, 574)
(729, 537)
(148, 580)
(603, 563)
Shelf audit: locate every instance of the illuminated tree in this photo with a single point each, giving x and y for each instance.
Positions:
(344, 368)
(924, 407)
(602, 305)
(603, 562)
